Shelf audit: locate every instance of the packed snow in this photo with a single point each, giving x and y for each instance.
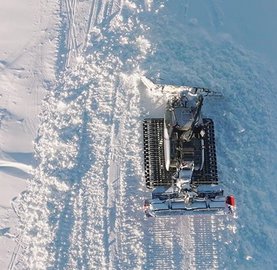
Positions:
(72, 106)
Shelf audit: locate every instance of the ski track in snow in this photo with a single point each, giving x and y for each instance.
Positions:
(82, 209)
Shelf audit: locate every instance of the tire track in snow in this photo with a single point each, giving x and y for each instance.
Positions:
(100, 255)
(116, 256)
(125, 249)
(205, 250)
(101, 12)
(48, 206)
(169, 243)
(207, 231)
(72, 46)
(103, 204)
(91, 20)
(15, 253)
(184, 242)
(97, 257)
(69, 216)
(159, 248)
(125, 233)
(73, 257)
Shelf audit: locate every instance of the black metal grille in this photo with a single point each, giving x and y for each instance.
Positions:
(154, 163)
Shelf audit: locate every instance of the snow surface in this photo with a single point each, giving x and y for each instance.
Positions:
(27, 59)
(70, 83)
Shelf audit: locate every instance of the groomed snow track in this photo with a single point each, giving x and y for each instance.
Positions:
(83, 208)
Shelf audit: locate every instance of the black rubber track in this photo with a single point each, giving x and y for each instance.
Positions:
(154, 163)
